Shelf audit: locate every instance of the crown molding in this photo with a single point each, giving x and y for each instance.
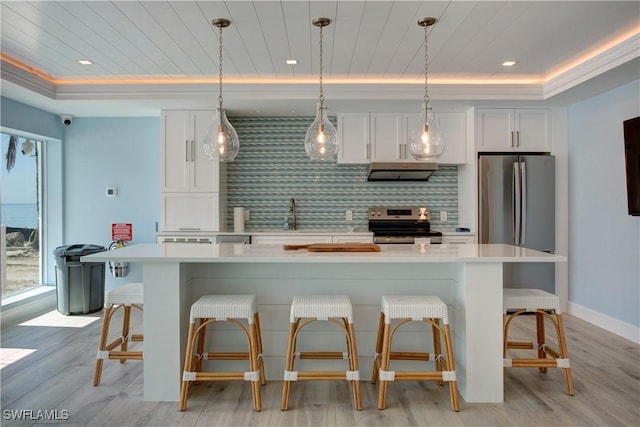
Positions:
(611, 58)
(27, 80)
(278, 91)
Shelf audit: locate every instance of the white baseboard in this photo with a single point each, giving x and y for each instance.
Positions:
(618, 327)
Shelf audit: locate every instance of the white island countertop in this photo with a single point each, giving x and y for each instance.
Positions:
(228, 252)
(468, 278)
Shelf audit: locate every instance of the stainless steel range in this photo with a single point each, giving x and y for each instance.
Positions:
(401, 225)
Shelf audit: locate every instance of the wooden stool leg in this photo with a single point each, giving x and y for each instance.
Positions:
(353, 364)
(376, 358)
(256, 320)
(202, 336)
(437, 347)
(253, 365)
(126, 321)
(102, 345)
(291, 349)
(540, 333)
(188, 358)
(384, 365)
(562, 343)
(451, 366)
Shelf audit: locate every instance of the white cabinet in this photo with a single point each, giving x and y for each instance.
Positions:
(453, 125)
(388, 142)
(191, 212)
(351, 238)
(464, 239)
(353, 138)
(290, 239)
(520, 129)
(193, 187)
(383, 137)
(185, 167)
(305, 238)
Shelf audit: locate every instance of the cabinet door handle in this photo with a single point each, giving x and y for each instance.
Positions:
(511, 139)
(368, 151)
(193, 150)
(186, 151)
(517, 138)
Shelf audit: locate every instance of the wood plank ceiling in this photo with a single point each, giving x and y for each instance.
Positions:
(369, 42)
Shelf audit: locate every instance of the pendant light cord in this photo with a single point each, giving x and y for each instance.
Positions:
(220, 68)
(426, 66)
(321, 93)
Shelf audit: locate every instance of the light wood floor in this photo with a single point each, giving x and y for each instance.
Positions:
(51, 368)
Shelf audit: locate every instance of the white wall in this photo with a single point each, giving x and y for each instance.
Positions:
(111, 152)
(604, 267)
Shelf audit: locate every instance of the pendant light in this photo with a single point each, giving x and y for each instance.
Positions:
(426, 141)
(221, 141)
(320, 142)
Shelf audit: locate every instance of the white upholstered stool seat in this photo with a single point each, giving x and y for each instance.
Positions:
(125, 296)
(234, 309)
(337, 309)
(545, 305)
(397, 310)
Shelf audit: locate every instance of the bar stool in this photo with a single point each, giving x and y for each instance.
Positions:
(416, 308)
(544, 305)
(125, 296)
(232, 309)
(333, 308)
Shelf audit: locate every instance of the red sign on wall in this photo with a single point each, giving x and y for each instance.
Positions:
(122, 231)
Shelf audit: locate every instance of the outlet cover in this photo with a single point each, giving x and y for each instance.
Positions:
(443, 216)
(349, 215)
(246, 214)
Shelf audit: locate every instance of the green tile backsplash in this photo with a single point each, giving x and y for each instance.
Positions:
(272, 167)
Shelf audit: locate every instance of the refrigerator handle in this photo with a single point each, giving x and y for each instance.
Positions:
(515, 200)
(523, 197)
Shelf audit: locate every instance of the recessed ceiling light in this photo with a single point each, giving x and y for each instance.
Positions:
(84, 62)
(291, 61)
(508, 63)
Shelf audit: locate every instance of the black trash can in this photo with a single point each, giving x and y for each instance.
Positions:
(79, 285)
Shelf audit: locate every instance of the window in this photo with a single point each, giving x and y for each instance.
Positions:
(21, 211)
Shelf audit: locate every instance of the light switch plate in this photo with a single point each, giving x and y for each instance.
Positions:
(246, 214)
(443, 216)
(349, 215)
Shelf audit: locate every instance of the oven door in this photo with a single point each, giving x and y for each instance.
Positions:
(394, 240)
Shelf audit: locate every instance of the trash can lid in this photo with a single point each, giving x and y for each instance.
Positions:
(78, 249)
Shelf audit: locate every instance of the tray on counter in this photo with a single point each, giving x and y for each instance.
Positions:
(335, 247)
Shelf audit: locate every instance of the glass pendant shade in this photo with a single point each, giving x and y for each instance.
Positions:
(221, 141)
(426, 141)
(321, 142)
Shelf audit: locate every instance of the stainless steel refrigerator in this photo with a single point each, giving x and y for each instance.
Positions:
(516, 196)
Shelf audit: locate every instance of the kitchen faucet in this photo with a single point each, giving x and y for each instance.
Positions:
(292, 209)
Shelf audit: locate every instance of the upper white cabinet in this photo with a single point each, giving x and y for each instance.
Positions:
(185, 167)
(193, 187)
(454, 128)
(353, 138)
(388, 142)
(383, 137)
(520, 129)
(191, 212)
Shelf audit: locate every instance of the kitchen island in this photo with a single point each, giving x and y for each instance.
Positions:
(467, 277)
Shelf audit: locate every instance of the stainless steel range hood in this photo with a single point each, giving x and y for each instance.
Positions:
(401, 171)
